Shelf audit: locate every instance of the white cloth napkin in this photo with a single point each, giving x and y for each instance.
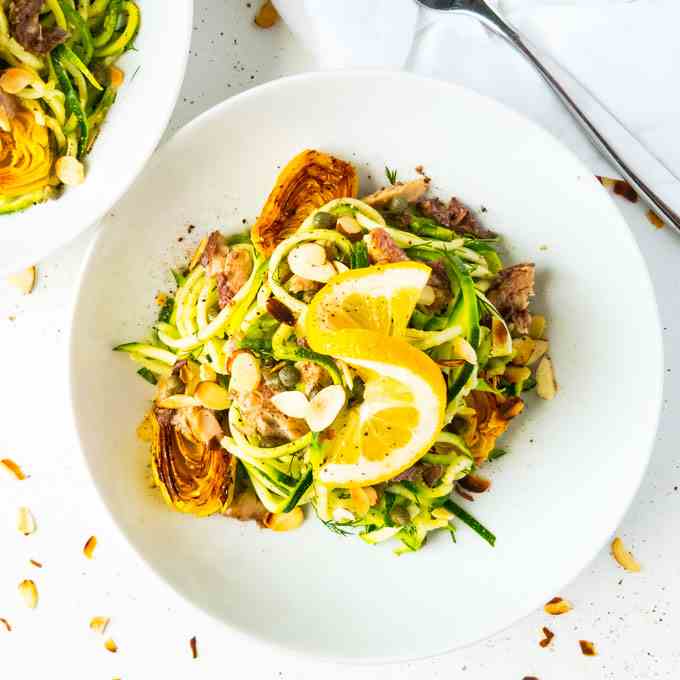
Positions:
(625, 51)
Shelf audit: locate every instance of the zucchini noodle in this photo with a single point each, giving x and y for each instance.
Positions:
(69, 90)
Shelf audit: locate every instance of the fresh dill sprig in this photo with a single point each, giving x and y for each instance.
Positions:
(391, 175)
(336, 528)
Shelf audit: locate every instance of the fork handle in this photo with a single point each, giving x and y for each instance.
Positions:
(596, 121)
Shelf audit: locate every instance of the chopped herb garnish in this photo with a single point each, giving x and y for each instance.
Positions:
(391, 175)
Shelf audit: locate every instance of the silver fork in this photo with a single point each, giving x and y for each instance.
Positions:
(619, 145)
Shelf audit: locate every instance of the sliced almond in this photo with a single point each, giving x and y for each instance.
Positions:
(291, 403)
(213, 396)
(111, 646)
(371, 494)
(90, 545)
(280, 312)
(360, 500)
(194, 648)
(546, 386)
(70, 171)
(427, 296)
(267, 15)
(245, 373)
(10, 465)
(462, 349)
(548, 636)
(442, 513)
(6, 624)
(475, 483)
(557, 606)
(340, 267)
(178, 401)
(349, 228)
(517, 374)
(24, 281)
(284, 521)
(99, 623)
(623, 557)
(198, 254)
(188, 374)
(523, 348)
(537, 326)
(501, 342)
(25, 521)
(309, 261)
(588, 648)
(540, 348)
(204, 425)
(324, 407)
(29, 592)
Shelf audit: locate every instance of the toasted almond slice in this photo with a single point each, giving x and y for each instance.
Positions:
(546, 386)
(24, 281)
(349, 228)
(340, 267)
(523, 348)
(25, 521)
(372, 495)
(623, 557)
(588, 648)
(13, 80)
(194, 648)
(291, 403)
(310, 262)
(280, 312)
(188, 374)
(501, 342)
(462, 349)
(654, 219)
(549, 635)
(70, 171)
(99, 623)
(6, 624)
(245, 373)
(90, 545)
(213, 396)
(475, 483)
(557, 606)
(537, 326)
(360, 500)
(198, 253)
(324, 408)
(284, 521)
(111, 646)
(540, 348)
(10, 465)
(517, 374)
(178, 401)
(29, 592)
(427, 296)
(267, 15)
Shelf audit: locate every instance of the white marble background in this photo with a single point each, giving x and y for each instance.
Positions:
(631, 617)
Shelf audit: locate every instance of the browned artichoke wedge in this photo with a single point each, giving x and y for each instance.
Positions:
(308, 181)
(193, 477)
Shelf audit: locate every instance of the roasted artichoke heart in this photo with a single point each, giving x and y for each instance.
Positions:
(193, 477)
(310, 180)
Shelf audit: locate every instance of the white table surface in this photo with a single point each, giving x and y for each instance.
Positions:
(631, 617)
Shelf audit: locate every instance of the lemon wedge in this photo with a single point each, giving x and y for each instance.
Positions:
(379, 298)
(399, 418)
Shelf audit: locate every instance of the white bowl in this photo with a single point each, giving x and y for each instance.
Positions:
(574, 463)
(153, 76)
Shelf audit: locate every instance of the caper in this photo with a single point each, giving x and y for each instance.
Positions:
(289, 376)
(398, 204)
(358, 389)
(324, 220)
(399, 515)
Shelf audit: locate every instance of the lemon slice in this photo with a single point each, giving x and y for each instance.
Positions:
(379, 298)
(399, 418)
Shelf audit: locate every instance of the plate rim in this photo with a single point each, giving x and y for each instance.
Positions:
(625, 231)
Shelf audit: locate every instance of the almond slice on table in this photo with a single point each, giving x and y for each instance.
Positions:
(546, 385)
(557, 606)
(111, 646)
(29, 592)
(99, 623)
(25, 521)
(25, 280)
(624, 557)
(90, 545)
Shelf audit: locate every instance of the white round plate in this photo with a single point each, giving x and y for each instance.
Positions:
(574, 463)
(154, 71)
